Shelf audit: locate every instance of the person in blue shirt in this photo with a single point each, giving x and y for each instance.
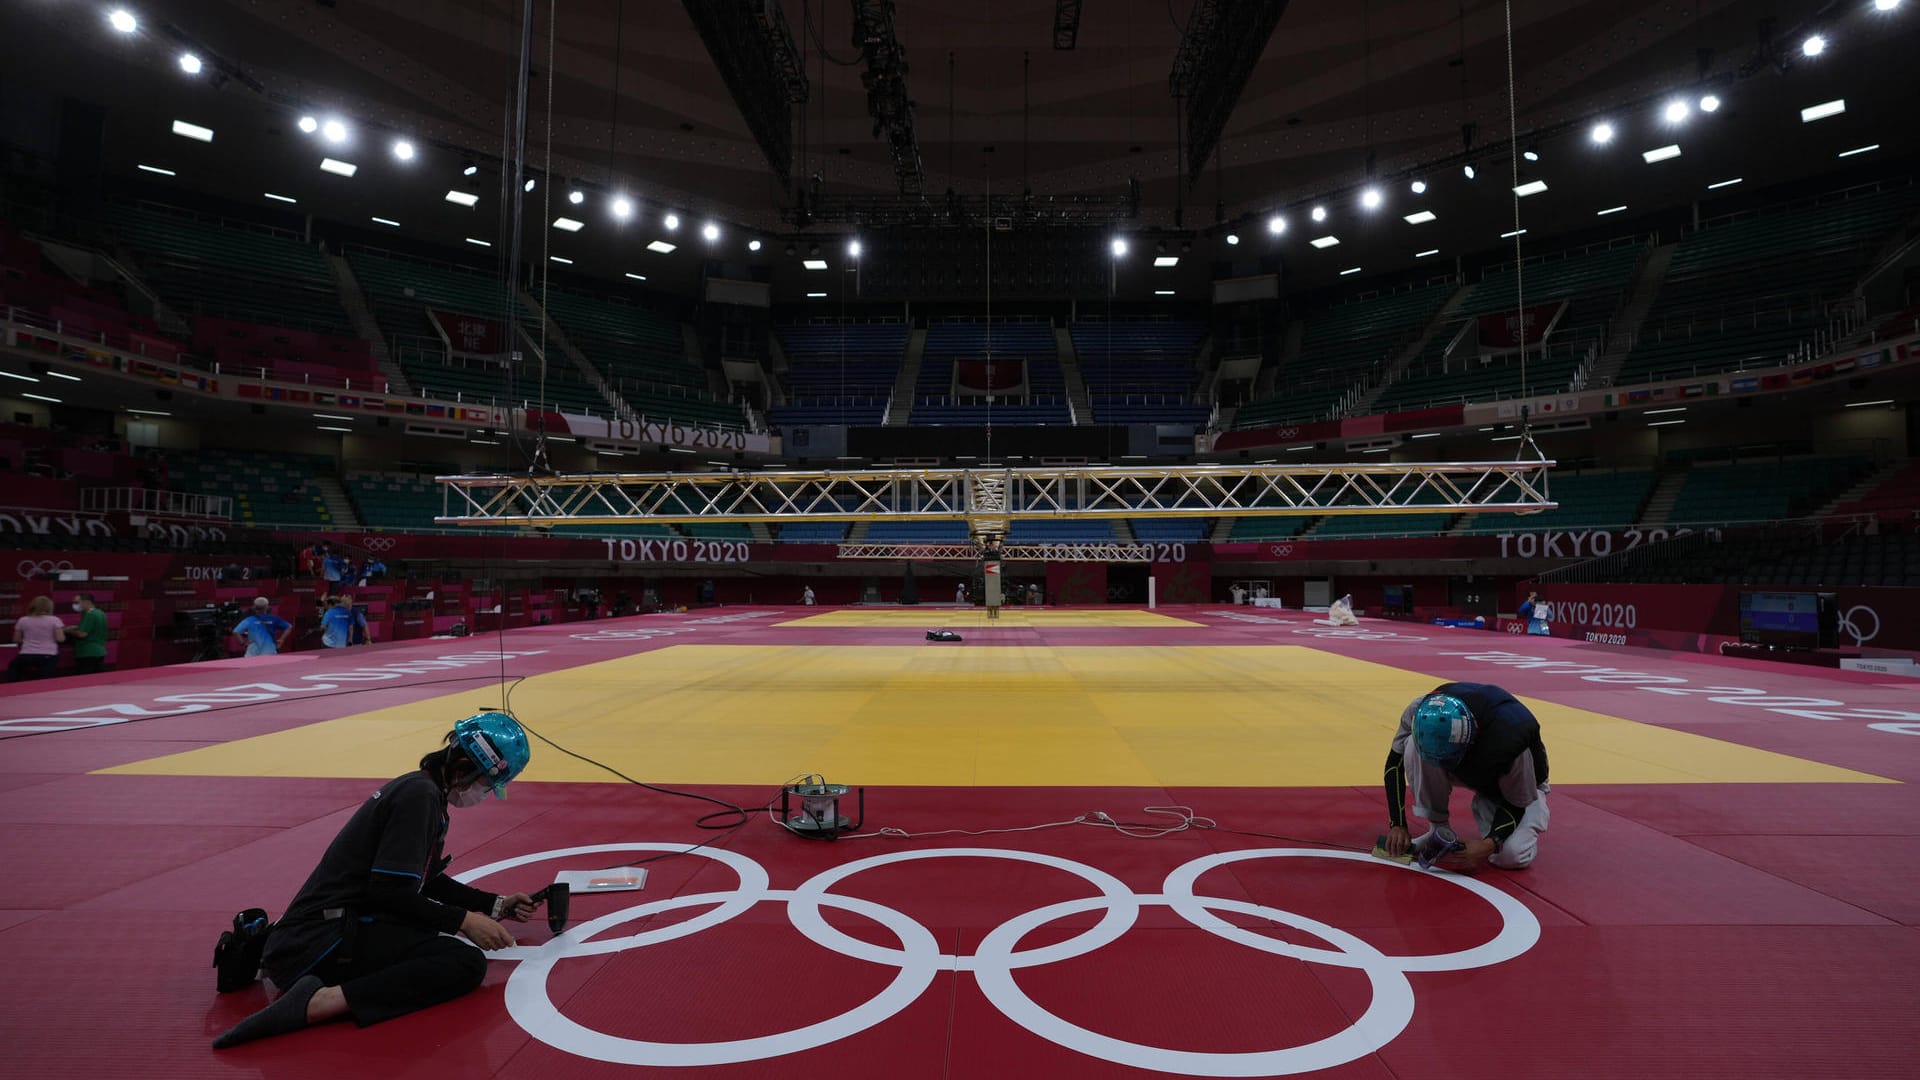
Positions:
(336, 624)
(264, 632)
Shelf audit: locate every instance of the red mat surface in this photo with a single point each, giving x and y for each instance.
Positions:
(1738, 930)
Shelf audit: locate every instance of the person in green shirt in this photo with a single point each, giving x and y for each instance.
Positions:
(90, 637)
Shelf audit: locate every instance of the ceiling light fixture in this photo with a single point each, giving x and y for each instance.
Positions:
(1601, 133)
(1163, 292)
(1709, 103)
(1531, 187)
(1823, 110)
(1663, 412)
(1850, 405)
(403, 149)
(156, 169)
(661, 247)
(753, 245)
(64, 375)
(1166, 260)
(1813, 46)
(190, 63)
(1370, 198)
(1676, 111)
(1424, 254)
(41, 397)
(671, 221)
(636, 277)
(1324, 242)
(327, 416)
(530, 184)
(561, 260)
(1420, 217)
(309, 125)
(1859, 150)
(1885, 5)
(1665, 423)
(338, 167)
(567, 224)
(462, 198)
(325, 427)
(149, 412)
(622, 207)
(1233, 239)
(1510, 235)
(1725, 183)
(279, 198)
(479, 243)
(1419, 187)
(469, 169)
(1319, 213)
(814, 264)
(1276, 224)
(816, 296)
(1468, 171)
(122, 20)
(1608, 210)
(386, 221)
(1349, 270)
(1662, 153)
(334, 131)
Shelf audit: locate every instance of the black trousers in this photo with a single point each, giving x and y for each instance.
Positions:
(391, 970)
(87, 665)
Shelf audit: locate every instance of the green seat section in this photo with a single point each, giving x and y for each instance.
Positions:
(1588, 500)
(1751, 291)
(1592, 281)
(400, 289)
(1761, 490)
(267, 489)
(1340, 348)
(640, 352)
(206, 265)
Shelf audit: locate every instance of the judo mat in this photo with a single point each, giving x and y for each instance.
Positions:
(1721, 892)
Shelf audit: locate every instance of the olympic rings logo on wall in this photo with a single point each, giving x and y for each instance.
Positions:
(29, 568)
(1281, 551)
(1854, 628)
(993, 964)
(378, 543)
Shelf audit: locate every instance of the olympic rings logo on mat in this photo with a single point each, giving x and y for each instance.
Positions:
(28, 568)
(917, 958)
(1853, 628)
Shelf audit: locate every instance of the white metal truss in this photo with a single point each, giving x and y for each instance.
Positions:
(991, 499)
(1101, 553)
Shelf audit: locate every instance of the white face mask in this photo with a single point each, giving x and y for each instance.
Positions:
(472, 795)
(76, 605)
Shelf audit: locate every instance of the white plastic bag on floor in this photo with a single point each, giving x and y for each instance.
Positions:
(1340, 612)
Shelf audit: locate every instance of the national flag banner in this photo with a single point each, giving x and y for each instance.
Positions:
(396, 406)
(248, 390)
(1742, 386)
(1695, 390)
(1772, 382)
(1845, 364)
(1634, 396)
(414, 408)
(1873, 359)
(1569, 404)
(351, 401)
(275, 393)
(1508, 410)
(322, 398)
(1801, 375)
(436, 410)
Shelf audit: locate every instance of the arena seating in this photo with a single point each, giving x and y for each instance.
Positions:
(1274, 528)
(1747, 292)
(640, 353)
(204, 265)
(400, 289)
(839, 372)
(1895, 498)
(1346, 526)
(939, 398)
(1779, 558)
(1592, 281)
(917, 532)
(1339, 348)
(1139, 371)
(287, 354)
(1170, 530)
(813, 532)
(1099, 531)
(267, 488)
(1761, 490)
(1588, 500)
(56, 301)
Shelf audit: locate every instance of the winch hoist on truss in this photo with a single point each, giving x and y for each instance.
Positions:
(990, 500)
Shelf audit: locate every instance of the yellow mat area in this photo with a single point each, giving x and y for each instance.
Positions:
(959, 618)
(1250, 716)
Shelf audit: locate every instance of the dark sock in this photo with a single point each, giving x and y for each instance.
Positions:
(288, 1013)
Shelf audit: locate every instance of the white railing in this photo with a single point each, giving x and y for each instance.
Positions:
(161, 503)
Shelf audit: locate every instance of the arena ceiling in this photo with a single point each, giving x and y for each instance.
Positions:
(638, 106)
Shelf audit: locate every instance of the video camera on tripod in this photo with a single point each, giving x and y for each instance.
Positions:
(209, 627)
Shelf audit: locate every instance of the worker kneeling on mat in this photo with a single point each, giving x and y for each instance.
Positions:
(364, 936)
(1478, 736)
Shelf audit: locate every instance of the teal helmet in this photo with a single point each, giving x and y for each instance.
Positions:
(496, 745)
(1443, 727)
